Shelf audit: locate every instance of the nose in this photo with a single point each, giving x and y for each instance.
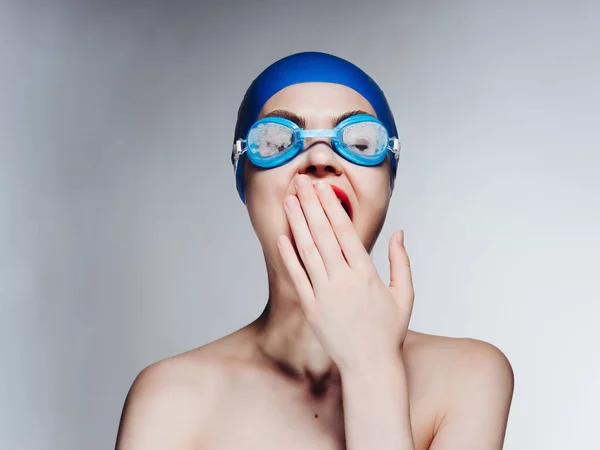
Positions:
(320, 160)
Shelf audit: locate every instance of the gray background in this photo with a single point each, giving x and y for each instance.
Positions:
(123, 241)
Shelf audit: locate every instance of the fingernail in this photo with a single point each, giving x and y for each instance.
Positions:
(400, 237)
(302, 180)
(289, 202)
(321, 185)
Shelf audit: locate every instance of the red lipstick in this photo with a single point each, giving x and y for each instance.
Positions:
(339, 192)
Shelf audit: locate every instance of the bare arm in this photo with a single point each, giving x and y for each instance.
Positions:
(481, 391)
(376, 408)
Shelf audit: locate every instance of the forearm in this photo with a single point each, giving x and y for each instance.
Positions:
(376, 408)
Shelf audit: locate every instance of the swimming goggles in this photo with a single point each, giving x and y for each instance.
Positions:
(273, 141)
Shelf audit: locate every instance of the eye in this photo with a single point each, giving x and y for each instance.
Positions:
(271, 138)
(360, 140)
(366, 138)
(362, 145)
(269, 147)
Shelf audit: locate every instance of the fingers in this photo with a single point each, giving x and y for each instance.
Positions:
(347, 238)
(296, 271)
(318, 224)
(308, 251)
(401, 283)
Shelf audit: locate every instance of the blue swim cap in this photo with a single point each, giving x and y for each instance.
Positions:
(302, 68)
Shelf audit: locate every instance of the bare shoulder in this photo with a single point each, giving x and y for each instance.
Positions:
(170, 400)
(472, 383)
(457, 361)
(456, 354)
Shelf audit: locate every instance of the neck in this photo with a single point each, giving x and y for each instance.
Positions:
(286, 339)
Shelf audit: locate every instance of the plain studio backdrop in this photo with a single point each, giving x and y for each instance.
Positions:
(123, 240)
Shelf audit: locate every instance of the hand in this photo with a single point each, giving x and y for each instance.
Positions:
(357, 318)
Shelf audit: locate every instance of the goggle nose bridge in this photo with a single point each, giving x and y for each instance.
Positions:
(317, 133)
(301, 135)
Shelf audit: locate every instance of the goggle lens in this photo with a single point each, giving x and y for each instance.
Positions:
(365, 138)
(269, 138)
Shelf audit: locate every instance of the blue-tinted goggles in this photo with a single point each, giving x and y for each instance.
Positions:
(273, 141)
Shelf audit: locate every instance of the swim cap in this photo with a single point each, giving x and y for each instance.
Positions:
(302, 68)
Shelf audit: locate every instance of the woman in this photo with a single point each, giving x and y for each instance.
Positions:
(330, 363)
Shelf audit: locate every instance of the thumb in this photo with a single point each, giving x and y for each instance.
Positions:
(401, 284)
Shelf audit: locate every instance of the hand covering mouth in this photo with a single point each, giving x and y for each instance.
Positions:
(343, 198)
(344, 201)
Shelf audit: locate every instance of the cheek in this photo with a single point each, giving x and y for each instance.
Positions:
(266, 186)
(373, 187)
(265, 193)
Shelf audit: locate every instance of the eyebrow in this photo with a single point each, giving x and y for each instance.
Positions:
(301, 121)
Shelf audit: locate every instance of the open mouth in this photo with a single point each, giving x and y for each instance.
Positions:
(343, 198)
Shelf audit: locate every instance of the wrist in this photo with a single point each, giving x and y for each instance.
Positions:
(374, 368)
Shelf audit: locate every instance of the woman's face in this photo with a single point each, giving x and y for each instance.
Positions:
(368, 188)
